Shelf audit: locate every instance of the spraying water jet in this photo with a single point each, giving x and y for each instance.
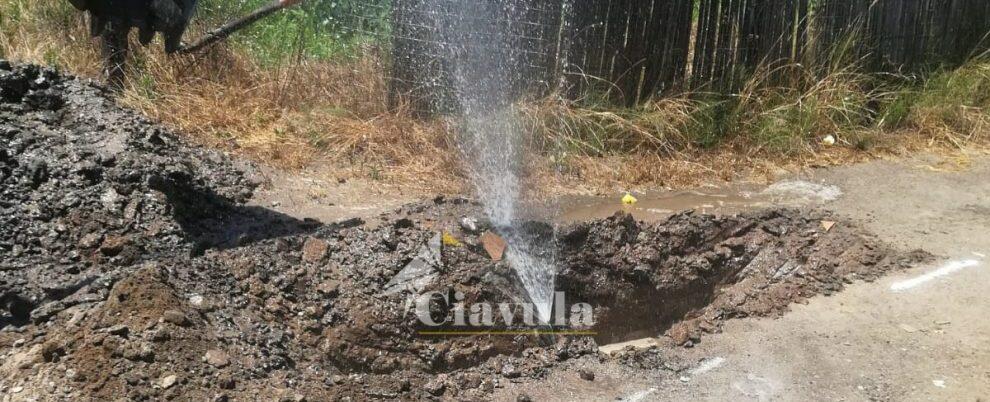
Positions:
(483, 70)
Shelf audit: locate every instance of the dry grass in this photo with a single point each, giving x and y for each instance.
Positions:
(303, 114)
(764, 129)
(332, 114)
(954, 108)
(47, 32)
(297, 114)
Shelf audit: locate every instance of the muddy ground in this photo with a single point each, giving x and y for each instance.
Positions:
(133, 269)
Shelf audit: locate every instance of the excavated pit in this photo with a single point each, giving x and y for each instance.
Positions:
(129, 257)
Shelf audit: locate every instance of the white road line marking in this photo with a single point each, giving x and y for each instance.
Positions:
(708, 365)
(639, 395)
(947, 269)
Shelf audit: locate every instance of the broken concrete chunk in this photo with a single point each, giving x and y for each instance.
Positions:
(419, 272)
(431, 253)
(637, 344)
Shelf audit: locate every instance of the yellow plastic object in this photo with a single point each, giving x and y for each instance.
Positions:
(628, 199)
(450, 240)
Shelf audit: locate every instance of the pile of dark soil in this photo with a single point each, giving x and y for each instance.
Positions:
(131, 270)
(86, 187)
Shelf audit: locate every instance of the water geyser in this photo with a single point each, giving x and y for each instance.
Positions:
(483, 67)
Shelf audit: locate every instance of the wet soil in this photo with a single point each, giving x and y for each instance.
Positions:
(132, 268)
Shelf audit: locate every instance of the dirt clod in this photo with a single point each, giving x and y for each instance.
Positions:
(314, 250)
(217, 358)
(175, 317)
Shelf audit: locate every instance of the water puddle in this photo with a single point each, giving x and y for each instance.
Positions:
(654, 206)
(658, 205)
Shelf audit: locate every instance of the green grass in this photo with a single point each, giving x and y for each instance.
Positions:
(315, 29)
(951, 100)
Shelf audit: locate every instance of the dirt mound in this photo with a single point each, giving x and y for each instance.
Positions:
(130, 270)
(86, 186)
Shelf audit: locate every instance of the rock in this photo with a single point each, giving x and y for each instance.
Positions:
(168, 381)
(110, 198)
(523, 398)
(329, 288)
(90, 241)
(314, 250)
(120, 330)
(495, 245)
(175, 317)
(38, 172)
(470, 225)
(226, 381)
(113, 245)
(510, 371)
(586, 374)
(139, 351)
(470, 381)
(132, 209)
(159, 335)
(200, 303)
(679, 334)
(52, 351)
(435, 387)
(217, 358)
